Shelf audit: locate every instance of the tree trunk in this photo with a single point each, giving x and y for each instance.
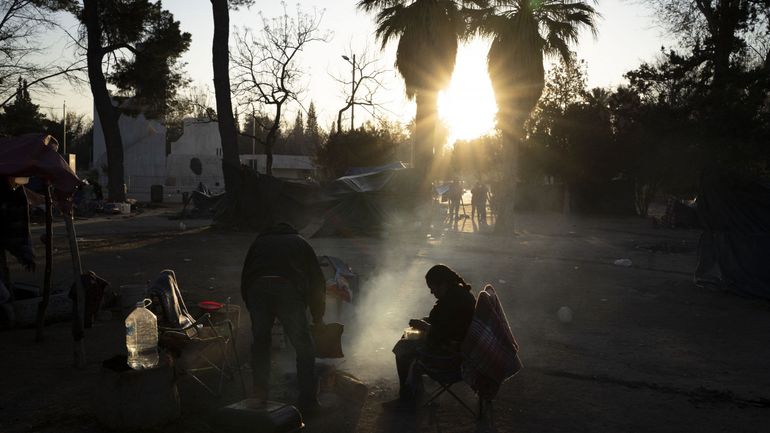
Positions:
(227, 130)
(108, 115)
(504, 220)
(425, 136)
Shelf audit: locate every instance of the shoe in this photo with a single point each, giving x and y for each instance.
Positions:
(400, 405)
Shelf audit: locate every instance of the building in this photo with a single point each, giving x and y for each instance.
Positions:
(144, 153)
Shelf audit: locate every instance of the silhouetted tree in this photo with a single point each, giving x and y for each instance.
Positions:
(523, 33)
(428, 32)
(366, 146)
(22, 23)
(220, 60)
(152, 37)
(266, 71)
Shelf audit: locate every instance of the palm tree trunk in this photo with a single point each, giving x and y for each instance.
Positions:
(227, 130)
(425, 137)
(504, 221)
(108, 116)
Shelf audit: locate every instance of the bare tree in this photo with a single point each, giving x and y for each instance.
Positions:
(266, 74)
(360, 89)
(22, 22)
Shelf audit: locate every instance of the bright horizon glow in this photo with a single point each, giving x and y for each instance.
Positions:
(628, 36)
(467, 106)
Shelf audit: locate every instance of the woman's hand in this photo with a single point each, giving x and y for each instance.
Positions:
(419, 324)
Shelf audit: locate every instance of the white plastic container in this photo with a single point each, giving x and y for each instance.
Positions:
(123, 208)
(142, 337)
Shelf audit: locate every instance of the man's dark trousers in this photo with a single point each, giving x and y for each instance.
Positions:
(276, 297)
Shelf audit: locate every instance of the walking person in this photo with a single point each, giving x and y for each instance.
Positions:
(281, 279)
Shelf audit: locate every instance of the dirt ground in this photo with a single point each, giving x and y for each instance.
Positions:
(645, 351)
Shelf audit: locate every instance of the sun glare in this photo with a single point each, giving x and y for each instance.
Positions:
(467, 106)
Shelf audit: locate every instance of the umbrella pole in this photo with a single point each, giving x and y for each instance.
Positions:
(80, 303)
(43, 305)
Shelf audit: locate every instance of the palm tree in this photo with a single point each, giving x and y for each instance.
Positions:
(428, 32)
(524, 32)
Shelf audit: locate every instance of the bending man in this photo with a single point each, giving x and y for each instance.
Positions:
(282, 278)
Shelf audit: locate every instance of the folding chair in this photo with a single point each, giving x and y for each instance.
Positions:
(446, 372)
(196, 345)
(207, 349)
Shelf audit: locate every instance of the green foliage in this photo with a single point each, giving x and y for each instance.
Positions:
(152, 73)
(366, 146)
(523, 33)
(478, 158)
(22, 116)
(313, 132)
(427, 33)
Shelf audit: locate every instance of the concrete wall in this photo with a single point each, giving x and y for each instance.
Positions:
(144, 153)
(200, 139)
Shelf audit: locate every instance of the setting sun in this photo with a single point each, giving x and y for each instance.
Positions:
(467, 106)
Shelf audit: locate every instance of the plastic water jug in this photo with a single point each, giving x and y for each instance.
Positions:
(142, 337)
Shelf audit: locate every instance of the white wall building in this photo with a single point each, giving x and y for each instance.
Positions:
(200, 140)
(146, 163)
(144, 153)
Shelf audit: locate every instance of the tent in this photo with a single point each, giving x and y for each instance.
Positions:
(364, 203)
(36, 155)
(353, 171)
(734, 211)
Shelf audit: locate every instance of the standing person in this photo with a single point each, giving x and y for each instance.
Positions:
(444, 329)
(480, 194)
(455, 197)
(474, 201)
(281, 279)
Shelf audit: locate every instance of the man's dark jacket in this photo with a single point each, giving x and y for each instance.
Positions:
(281, 251)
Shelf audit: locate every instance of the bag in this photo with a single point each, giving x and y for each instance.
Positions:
(327, 339)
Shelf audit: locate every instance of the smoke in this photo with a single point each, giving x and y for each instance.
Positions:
(394, 293)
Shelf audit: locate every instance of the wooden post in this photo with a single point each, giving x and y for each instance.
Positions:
(43, 305)
(79, 309)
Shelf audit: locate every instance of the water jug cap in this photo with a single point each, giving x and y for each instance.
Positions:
(144, 303)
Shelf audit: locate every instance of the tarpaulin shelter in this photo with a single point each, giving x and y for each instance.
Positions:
(364, 202)
(36, 155)
(353, 171)
(265, 200)
(734, 212)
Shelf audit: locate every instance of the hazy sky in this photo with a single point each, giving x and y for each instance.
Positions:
(627, 36)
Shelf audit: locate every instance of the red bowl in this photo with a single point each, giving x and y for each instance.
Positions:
(210, 306)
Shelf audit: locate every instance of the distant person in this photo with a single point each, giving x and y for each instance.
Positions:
(479, 196)
(281, 279)
(455, 198)
(444, 329)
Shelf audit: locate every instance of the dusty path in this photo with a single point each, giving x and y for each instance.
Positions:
(646, 351)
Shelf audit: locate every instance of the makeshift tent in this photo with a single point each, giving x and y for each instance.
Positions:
(353, 171)
(36, 155)
(365, 202)
(734, 212)
(265, 200)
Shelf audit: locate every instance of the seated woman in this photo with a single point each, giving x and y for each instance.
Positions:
(444, 330)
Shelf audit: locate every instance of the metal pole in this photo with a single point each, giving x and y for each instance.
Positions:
(42, 307)
(79, 309)
(353, 94)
